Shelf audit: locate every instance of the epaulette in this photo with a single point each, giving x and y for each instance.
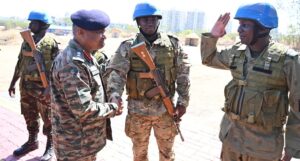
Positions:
(277, 48)
(78, 57)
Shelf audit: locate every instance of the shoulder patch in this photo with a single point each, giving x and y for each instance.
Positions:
(77, 57)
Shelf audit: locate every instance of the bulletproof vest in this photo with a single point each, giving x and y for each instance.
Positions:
(164, 61)
(260, 97)
(48, 49)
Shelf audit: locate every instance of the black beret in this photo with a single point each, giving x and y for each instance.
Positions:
(90, 19)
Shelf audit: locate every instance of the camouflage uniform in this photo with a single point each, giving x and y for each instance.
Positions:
(257, 99)
(102, 60)
(32, 91)
(146, 113)
(79, 112)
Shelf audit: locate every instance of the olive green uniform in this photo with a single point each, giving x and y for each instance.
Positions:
(257, 100)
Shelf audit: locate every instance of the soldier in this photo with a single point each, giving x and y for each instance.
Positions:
(147, 113)
(102, 60)
(34, 96)
(265, 81)
(79, 110)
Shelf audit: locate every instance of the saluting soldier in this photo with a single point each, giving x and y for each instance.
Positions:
(34, 96)
(265, 81)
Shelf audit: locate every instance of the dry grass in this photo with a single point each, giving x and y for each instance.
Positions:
(10, 37)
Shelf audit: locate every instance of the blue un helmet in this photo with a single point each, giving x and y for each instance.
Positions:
(263, 13)
(41, 16)
(145, 9)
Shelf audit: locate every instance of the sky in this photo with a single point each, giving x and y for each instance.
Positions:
(120, 11)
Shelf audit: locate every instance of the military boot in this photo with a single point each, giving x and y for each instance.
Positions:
(29, 146)
(49, 152)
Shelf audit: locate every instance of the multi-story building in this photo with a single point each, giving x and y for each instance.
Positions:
(175, 21)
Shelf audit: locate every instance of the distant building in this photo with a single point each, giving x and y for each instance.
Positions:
(176, 21)
(195, 20)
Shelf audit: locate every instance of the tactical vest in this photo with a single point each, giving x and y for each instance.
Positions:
(164, 60)
(262, 97)
(47, 46)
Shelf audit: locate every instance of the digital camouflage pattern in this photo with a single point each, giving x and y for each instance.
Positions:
(257, 98)
(103, 60)
(33, 100)
(138, 128)
(122, 63)
(79, 110)
(147, 113)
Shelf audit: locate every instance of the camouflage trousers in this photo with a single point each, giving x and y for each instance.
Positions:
(138, 128)
(31, 107)
(228, 154)
(88, 158)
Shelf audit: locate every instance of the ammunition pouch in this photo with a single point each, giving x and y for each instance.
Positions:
(267, 108)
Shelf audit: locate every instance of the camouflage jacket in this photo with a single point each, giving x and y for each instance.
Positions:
(79, 111)
(123, 64)
(26, 66)
(257, 98)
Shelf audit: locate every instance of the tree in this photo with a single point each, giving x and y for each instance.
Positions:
(293, 9)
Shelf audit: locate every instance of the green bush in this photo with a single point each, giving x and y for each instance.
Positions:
(13, 23)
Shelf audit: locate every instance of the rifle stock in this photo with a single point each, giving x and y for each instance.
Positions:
(141, 51)
(26, 35)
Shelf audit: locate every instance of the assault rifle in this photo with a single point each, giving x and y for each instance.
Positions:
(26, 35)
(142, 52)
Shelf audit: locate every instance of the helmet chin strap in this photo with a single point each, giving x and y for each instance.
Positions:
(257, 35)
